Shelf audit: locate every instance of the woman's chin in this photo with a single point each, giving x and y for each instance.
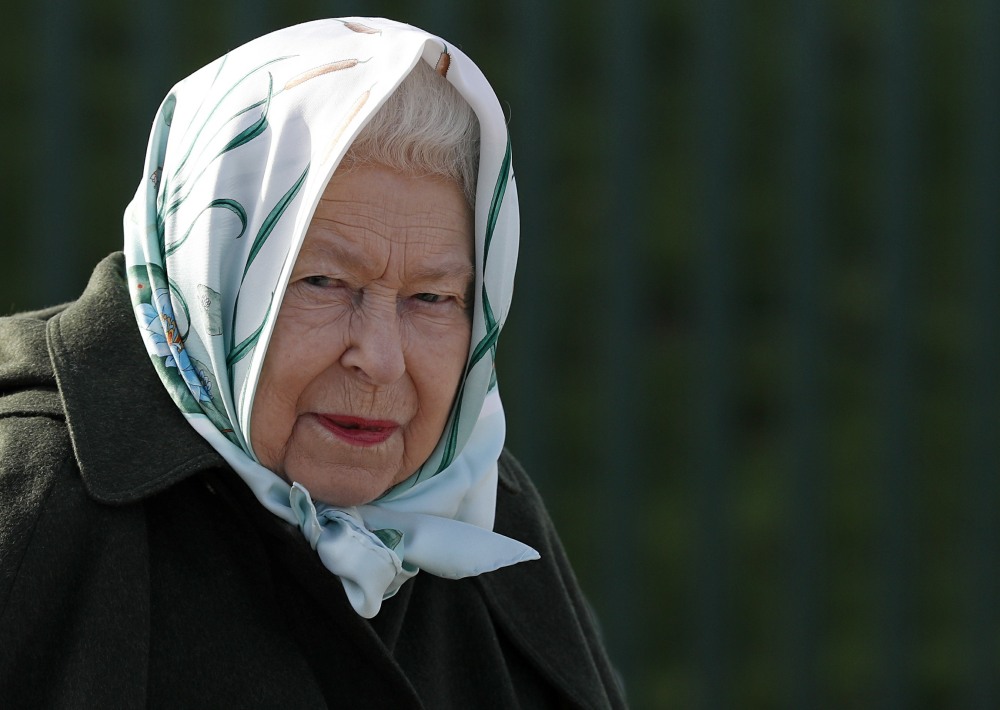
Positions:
(339, 484)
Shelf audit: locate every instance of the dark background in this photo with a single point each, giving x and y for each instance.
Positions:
(752, 360)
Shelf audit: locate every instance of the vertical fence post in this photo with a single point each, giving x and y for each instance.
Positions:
(619, 245)
(538, 274)
(249, 19)
(712, 472)
(444, 18)
(900, 241)
(155, 52)
(55, 256)
(983, 531)
(807, 197)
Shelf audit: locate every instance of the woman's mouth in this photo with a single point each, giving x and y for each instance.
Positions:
(356, 430)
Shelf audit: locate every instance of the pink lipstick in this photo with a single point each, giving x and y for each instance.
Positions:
(356, 430)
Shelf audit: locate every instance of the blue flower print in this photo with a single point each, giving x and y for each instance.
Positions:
(152, 332)
(163, 339)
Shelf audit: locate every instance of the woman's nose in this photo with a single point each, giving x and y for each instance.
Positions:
(375, 350)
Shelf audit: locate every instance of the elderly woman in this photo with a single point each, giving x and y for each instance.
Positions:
(259, 463)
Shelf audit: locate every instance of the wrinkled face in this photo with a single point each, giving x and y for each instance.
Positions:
(371, 339)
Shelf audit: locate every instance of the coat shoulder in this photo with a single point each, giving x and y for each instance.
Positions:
(540, 604)
(34, 442)
(62, 556)
(25, 365)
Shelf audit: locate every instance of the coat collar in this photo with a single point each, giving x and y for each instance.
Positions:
(130, 439)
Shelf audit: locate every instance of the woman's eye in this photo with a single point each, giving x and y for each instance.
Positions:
(429, 297)
(321, 281)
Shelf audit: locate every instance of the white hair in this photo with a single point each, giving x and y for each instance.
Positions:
(424, 128)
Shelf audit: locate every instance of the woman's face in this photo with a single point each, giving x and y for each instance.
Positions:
(371, 339)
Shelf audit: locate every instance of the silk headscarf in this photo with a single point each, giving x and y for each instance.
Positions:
(238, 157)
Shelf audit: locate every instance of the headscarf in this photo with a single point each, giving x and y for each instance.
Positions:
(239, 155)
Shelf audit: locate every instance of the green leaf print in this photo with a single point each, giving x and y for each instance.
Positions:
(174, 197)
(498, 192)
(258, 127)
(147, 278)
(451, 442)
(240, 351)
(218, 104)
(175, 292)
(225, 203)
(272, 219)
(389, 537)
(484, 346)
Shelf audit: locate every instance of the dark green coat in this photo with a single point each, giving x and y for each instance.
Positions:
(136, 569)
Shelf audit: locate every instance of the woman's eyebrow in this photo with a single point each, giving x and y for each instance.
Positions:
(449, 271)
(332, 251)
(353, 260)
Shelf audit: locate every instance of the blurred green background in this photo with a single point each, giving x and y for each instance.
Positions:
(752, 360)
